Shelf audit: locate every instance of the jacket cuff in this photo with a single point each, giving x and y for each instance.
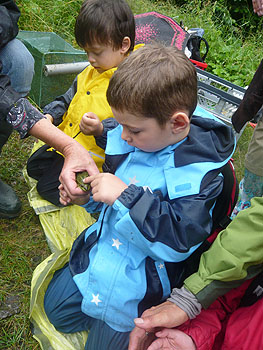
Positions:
(108, 124)
(186, 301)
(131, 195)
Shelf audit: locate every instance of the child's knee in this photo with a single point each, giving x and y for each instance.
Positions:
(50, 309)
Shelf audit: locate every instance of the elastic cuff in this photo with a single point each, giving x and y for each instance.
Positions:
(131, 195)
(186, 301)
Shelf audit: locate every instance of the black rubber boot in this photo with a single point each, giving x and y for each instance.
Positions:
(10, 205)
(5, 132)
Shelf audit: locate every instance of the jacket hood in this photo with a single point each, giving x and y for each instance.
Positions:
(209, 140)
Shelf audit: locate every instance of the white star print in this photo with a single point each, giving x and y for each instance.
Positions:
(95, 299)
(116, 243)
(133, 180)
(161, 266)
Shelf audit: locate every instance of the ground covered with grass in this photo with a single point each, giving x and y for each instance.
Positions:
(232, 55)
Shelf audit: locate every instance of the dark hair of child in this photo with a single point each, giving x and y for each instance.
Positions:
(105, 22)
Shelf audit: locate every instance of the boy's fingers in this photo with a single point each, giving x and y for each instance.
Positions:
(89, 179)
(90, 115)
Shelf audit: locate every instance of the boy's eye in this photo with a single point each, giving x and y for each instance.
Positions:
(135, 131)
(93, 53)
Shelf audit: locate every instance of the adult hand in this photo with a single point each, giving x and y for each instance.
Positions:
(77, 159)
(106, 187)
(167, 315)
(172, 339)
(258, 7)
(65, 199)
(91, 125)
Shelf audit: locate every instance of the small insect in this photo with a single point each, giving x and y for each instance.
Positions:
(79, 179)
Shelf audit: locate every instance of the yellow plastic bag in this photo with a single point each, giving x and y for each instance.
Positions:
(43, 331)
(61, 227)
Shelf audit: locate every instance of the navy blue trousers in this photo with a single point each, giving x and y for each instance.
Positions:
(62, 304)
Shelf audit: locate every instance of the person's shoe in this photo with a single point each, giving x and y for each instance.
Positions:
(10, 204)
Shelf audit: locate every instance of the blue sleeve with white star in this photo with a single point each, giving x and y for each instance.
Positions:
(170, 230)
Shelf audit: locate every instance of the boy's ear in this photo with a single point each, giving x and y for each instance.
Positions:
(180, 122)
(126, 44)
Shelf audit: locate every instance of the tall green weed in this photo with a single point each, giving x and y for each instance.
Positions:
(233, 54)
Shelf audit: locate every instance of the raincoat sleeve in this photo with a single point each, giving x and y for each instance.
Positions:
(235, 256)
(60, 105)
(165, 229)
(8, 96)
(9, 14)
(22, 116)
(108, 124)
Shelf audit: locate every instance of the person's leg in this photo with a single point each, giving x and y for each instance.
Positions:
(101, 336)
(45, 167)
(253, 158)
(252, 184)
(249, 187)
(62, 303)
(18, 64)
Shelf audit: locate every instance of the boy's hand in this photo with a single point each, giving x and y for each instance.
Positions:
(172, 339)
(106, 187)
(91, 125)
(65, 199)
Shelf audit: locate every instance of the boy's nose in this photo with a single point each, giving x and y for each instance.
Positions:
(91, 60)
(125, 136)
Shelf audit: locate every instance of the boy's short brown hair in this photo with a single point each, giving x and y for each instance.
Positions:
(105, 22)
(155, 81)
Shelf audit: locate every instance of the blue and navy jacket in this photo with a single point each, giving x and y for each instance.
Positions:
(134, 254)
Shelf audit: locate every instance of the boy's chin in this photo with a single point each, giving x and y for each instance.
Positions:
(99, 70)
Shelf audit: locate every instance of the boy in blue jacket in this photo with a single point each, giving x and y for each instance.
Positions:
(156, 199)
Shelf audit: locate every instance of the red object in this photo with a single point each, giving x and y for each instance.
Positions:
(225, 326)
(201, 65)
(253, 125)
(153, 26)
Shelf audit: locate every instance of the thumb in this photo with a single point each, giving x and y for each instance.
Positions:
(147, 322)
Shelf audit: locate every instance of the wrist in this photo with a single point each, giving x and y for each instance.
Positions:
(99, 130)
(186, 301)
(49, 117)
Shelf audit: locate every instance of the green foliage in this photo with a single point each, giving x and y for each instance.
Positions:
(239, 11)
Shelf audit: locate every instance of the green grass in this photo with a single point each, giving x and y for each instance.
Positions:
(232, 56)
